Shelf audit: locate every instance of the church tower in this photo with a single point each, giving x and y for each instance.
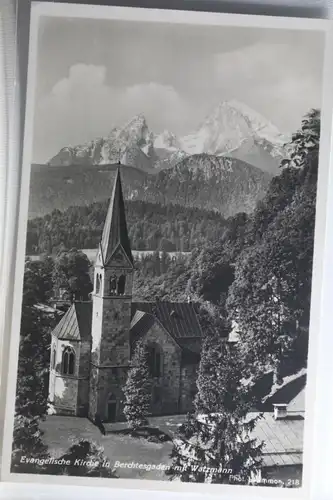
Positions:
(111, 313)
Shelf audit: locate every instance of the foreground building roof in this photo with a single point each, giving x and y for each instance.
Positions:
(283, 439)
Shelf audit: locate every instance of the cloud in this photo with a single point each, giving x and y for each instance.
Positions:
(274, 78)
(160, 103)
(81, 77)
(76, 107)
(83, 106)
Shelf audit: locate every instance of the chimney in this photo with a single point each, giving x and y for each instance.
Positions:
(280, 411)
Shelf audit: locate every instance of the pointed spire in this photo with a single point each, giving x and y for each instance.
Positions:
(115, 229)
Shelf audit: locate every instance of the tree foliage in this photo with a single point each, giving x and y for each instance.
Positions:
(33, 365)
(137, 390)
(28, 442)
(151, 226)
(38, 283)
(34, 348)
(215, 442)
(270, 296)
(86, 459)
(71, 274)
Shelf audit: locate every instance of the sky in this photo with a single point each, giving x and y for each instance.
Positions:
(95, 74)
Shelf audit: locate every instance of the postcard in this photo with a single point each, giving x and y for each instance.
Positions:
(165, 266)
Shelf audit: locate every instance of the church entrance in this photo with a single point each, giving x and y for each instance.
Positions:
(112, 408)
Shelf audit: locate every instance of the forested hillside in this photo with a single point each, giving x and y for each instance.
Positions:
(151, 226)
(258, 273)
(207, 182)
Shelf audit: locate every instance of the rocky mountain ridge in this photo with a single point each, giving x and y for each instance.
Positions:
(225, 185)
(232, 129)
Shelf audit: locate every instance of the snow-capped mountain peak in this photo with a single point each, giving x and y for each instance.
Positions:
(259, 124)
(232, 128)
(166, 140)
(222, 131)
(135, 130)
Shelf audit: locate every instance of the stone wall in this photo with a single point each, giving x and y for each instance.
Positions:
(69, 393)
(52, 377)
(106, 384)
(93, 396)
(65, 395)
(84, 376)
(166, 389)
(110, 351)
(110, 331)
(188, 387)
(63, 389)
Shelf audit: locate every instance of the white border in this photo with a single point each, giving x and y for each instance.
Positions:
(197, 18)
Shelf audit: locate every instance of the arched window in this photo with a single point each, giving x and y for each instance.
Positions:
(68, 361)
(121, 285)
(154, 360)
(113, 285)
(98, 283)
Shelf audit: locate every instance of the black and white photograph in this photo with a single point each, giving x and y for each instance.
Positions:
(168, 247)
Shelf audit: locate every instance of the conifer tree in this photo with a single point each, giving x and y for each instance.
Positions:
(137, 388)
(269, 298)
(27, 441)
(215, 444)
(33, 370)
(86, 459)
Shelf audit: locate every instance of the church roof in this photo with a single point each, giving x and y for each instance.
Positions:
(115, 229)
(178, 318)
(76, 323)
(140, 324)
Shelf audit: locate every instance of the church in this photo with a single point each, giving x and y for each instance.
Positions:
(92, 345)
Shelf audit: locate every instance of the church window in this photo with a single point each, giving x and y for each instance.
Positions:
(121, 285)
(68, 361)
(113, 285)
(154, 361)
(98, 283)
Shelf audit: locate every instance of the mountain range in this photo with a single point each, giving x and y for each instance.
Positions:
(225, 185)
(225, 165)
(232, 129)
